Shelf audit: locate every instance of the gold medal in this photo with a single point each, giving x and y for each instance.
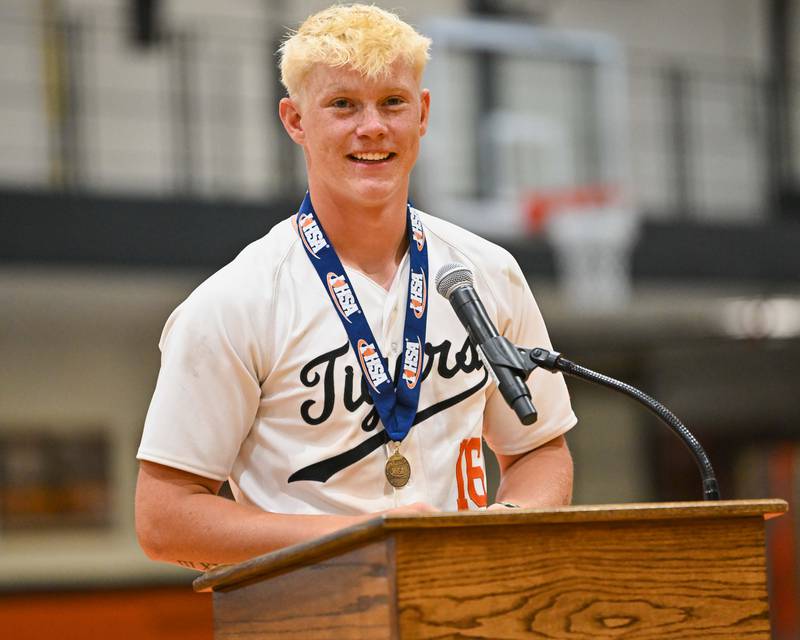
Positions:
(398, 469)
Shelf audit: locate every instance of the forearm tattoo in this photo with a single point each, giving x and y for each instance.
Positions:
(200, 566)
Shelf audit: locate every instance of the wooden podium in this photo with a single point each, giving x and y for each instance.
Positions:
(657, 571)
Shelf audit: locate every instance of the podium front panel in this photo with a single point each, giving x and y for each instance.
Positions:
(671, 579)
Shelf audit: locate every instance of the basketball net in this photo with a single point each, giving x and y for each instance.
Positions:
(592, 232)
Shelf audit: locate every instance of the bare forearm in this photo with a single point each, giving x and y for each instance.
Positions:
(540, 478)
(204, 530)
(180, 519)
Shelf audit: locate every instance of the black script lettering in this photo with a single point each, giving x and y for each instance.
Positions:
(464, 360)
(468, 365)
(443, 352)
(370, 420)
(321, 471)
(427, 361)
(310, 378)
(350, 403)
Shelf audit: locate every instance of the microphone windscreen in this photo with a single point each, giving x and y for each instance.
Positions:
(451, 276)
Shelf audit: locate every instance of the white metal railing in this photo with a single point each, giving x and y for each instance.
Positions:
(80, 107)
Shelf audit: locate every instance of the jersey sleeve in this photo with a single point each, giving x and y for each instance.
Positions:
(519, 319)
(208, 389)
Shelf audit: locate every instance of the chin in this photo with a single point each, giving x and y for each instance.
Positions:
(374, 194)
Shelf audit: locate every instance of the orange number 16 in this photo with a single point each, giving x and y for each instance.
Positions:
(469, 472)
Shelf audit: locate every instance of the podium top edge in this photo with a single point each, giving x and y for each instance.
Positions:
(766, 508)
(228, 576)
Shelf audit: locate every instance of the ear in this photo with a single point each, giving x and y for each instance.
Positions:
(290, 116)
(424, 111)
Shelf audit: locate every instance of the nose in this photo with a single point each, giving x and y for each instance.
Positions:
(371, 123)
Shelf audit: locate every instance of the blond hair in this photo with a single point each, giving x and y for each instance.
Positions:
(363, 37)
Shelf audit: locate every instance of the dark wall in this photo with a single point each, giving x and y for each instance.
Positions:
(52, 228)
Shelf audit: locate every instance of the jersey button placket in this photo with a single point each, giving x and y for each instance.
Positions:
(393, 326)
(393, 321)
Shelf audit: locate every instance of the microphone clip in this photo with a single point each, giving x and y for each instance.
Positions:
(499, 351)
(538, 357)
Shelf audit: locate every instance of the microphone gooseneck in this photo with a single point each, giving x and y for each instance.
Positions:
(454, 282)
(553, 361)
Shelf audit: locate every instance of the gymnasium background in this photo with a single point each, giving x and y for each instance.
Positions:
(640, 159)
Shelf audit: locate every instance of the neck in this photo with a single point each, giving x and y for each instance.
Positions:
(371, 239)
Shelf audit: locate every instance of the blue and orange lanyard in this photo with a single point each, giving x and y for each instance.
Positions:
(396, 403)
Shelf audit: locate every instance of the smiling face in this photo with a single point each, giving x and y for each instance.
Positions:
(360, 136)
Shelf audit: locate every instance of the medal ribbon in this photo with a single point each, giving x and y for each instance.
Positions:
(396, 403)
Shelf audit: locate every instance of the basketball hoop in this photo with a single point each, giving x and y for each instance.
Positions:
(592, 232)
(541, 204)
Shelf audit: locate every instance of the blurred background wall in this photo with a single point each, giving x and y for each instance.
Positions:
(640, 159)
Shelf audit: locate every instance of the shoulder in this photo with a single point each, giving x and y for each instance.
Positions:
(251, 275)
(232, 310)
(242, 292)
(492, 265)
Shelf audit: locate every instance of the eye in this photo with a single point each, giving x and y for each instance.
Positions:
(341, 103)
(394, 101)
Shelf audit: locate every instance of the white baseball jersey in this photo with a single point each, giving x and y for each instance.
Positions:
(259, 384)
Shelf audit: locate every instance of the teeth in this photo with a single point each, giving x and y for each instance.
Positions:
(370, 156)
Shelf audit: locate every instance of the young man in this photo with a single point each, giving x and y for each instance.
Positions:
(319, 371)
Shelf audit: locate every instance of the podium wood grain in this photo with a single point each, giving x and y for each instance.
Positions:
(642, 580)
(346, 596)
(687, 570)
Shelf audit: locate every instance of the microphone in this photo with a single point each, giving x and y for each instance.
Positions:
(502, 359)
(510, 366)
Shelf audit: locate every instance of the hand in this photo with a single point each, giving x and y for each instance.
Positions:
(411, 509)
(499, 506)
